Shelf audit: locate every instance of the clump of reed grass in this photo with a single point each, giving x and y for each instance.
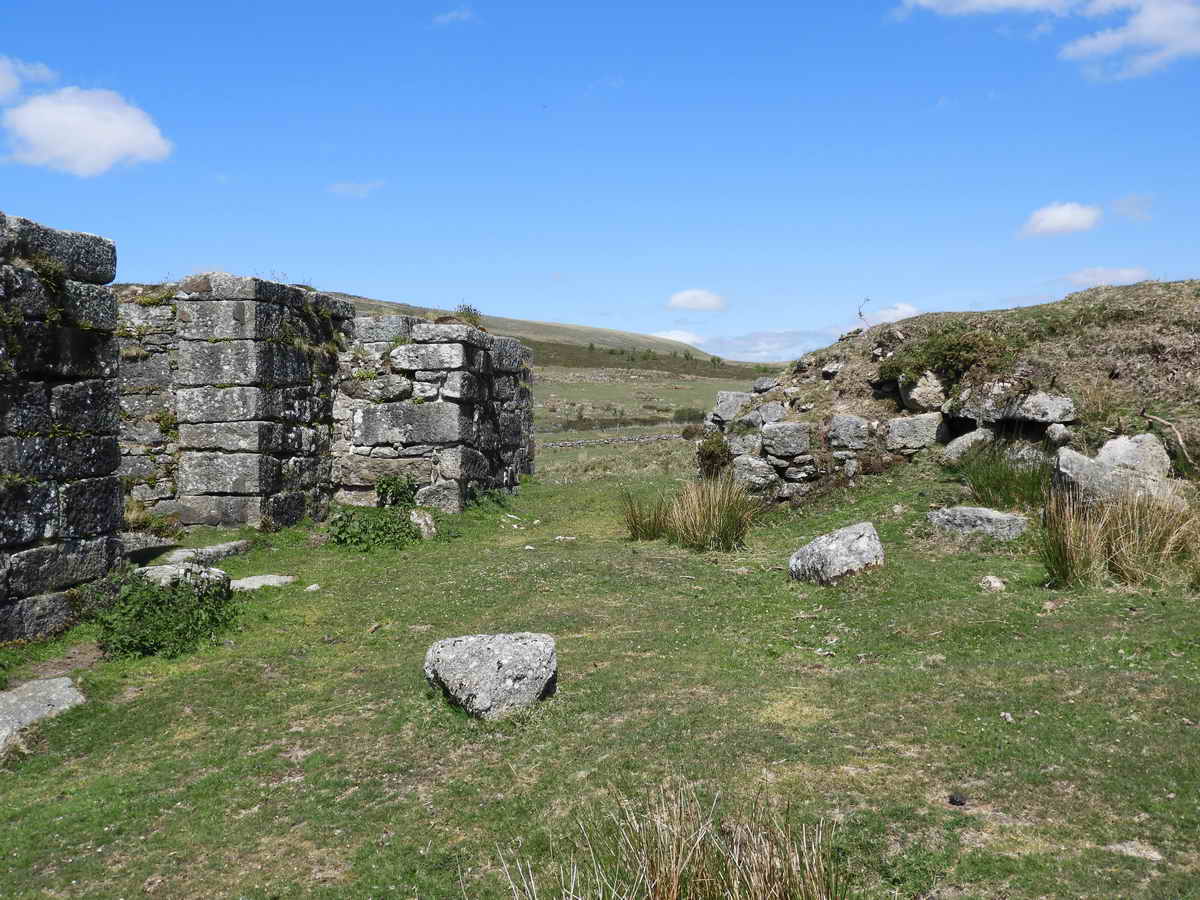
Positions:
(999, 476)
(709, 514)
(675, 848)
(1133, 539)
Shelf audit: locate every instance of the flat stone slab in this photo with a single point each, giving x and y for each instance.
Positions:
(491, 675)
(208, 554)
(256, 582)
(832, 556)
(141, 546)
(979, 520)
(33, 701)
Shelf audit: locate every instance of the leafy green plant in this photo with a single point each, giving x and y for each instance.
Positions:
(397, 490)
(365, 529)
(713, 456)
(146, 619)
(998, 476)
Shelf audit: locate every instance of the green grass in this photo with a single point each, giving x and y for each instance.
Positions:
(306, 756)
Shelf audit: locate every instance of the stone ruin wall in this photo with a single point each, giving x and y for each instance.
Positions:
(60, 497)
(219, 400)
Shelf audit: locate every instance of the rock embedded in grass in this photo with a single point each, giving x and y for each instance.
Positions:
(257, 582)
(979, 520)
(492, 675)
(33, 701)
(833, 556)
(963, 444)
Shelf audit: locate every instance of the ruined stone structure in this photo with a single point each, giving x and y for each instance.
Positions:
(60, 498)
(220, 400)
(246, 401)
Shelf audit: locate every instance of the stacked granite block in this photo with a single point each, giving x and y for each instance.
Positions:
(254, 380)
(60, 497)
(149, 435)
(451, 409)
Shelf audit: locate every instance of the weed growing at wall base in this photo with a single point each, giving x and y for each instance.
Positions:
(365, 529)
(146, 619)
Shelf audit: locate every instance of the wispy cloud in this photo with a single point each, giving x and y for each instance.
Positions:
(357, 189)
(83, 132)
(1151, 35)
(14, 73)
(893, 313)
(1135, 206)
(678, 334)
(696, 299)
(460, 16)
(1098, 275)
(1062, 218)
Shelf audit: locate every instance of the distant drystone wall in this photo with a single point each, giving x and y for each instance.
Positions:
(60, 497)
(220, 400)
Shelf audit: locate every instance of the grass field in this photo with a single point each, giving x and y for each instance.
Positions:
(564, 396)
(305, 756)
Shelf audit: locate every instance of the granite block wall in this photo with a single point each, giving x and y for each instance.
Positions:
(445, 404)
(60, 496)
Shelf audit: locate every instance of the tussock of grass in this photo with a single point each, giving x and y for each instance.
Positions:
(998, 478)
(674, 848)
(1133, 539)
(709, 514)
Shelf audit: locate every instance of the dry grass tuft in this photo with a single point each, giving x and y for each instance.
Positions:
(673, 848)
(1134, 539)
(709, 514)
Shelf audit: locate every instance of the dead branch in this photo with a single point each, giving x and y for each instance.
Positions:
(1178, 436)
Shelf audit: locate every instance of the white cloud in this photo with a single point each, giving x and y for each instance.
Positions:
(84, 132)
(1098, 275)
(1062, 218)
(358, 189)
(893, 313)
(1153, 33)
(696, 299)
(458, 16)
(14, 72)
(1135, 206)
(770, 346)
(684, 337)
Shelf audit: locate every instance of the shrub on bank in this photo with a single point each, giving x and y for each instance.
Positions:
(713, 455)
(141, 618)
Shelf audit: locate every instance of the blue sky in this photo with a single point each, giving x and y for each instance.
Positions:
(744, 174)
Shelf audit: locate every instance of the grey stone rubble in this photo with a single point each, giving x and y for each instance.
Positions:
(833, 556)
(258, 582)
(491, 675)
(60, 498)
(991, 584)
(979, 520)
(425, 523)
(33, 701)
(784, 457)
(169, 575)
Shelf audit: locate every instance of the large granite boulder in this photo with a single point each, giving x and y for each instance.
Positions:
(926, 394)
(1143, 453)
(911, 433)
(979, 520)
(958, 448)
(833, 556)
(997, 402)
(786, 439)
(756, 474)
(491, 675)
(729, 404)
(849, 432)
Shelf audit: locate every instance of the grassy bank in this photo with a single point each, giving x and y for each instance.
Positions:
(306, 756)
